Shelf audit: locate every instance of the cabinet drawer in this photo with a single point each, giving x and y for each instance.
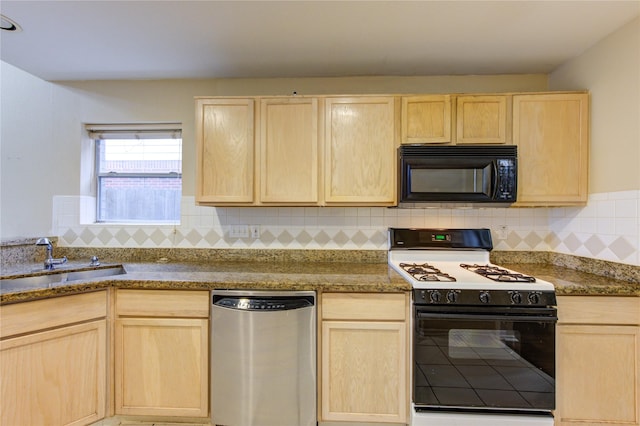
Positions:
(364, 306)
(163, 303)
(599, 310)
(28, 317)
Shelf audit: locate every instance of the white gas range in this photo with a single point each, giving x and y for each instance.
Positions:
(483, 341)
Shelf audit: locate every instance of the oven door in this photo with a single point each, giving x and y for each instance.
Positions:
(484, 358)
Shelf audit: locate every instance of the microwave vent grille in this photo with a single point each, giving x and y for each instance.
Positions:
(459, 151)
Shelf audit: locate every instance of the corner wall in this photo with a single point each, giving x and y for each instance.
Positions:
(608, 227)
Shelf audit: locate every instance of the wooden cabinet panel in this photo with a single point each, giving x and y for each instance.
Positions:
(364, 371)
(481, 119)
(55, 377)
(599, 310)
(162, 303)
(161, 352)
(364, 306)
(551, 131)
(161, 366)
(426, 119)
(364, 357)
(27, 317)
(289, 150)
(598, 361)
(225, 150)
(360, 166)
(597, 375)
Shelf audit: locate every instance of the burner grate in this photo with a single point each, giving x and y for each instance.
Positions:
(498, 274)
(426, 272)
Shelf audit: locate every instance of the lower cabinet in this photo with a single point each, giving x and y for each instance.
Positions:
(598, 357)
(53, 370)
(161, 353)
(364, 357)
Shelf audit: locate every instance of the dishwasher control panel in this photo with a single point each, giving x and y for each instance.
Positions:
(260, 303)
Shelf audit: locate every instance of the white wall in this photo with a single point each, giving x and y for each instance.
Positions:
(31, 165)
(611, 72)
(608, 228)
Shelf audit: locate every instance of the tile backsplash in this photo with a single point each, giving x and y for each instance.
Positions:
(607, 228)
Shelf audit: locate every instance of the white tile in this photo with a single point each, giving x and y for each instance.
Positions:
(363, 212)
(605, 226)
(626, 227)
(626, 208)
(605, 209)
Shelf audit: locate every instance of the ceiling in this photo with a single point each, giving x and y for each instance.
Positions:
(96, 40)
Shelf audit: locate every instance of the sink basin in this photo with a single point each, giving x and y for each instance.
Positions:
(62, 277)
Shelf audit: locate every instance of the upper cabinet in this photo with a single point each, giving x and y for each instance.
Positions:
(296, 151)
(479, 119)
(341, 150)
(289, 150)
(482, 119)
(360, 161)
(552, 134)
(225, 150)
(426, 119)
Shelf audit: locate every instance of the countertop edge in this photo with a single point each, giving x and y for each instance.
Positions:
(266, 276)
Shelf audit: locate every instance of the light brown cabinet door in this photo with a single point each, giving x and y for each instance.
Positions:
(552, 135)
(289, 150)
(360, 165)
(161, 366)
(55, 377)
(426, 119)
(597, 375)
(364, 371)
(225, 151)
(481, 119)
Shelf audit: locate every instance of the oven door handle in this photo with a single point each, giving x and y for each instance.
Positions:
(482, 317)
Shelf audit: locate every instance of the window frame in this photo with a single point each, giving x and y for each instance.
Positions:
(97, 134)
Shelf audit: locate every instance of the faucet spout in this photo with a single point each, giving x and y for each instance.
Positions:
(49, 262)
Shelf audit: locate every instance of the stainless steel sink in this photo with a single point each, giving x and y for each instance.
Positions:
(61, 276)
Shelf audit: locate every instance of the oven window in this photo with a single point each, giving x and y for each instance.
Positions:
(483, 344)
(495, 364)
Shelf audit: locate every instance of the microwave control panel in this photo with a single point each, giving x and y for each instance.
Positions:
(506, 182)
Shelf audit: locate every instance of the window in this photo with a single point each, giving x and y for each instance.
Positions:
(138, 172)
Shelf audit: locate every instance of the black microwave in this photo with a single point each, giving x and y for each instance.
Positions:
(458, 174)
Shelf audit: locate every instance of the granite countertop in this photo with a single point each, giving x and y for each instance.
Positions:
(570, 282)
(346, 277)
(318, 276)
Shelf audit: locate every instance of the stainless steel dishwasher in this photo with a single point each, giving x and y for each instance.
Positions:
(263, 358)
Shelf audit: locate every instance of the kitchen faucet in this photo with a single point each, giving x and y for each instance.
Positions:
(49, 262)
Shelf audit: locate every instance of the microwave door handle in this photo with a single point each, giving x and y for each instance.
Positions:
(494, 187)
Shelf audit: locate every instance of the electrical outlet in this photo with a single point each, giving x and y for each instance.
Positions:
(239, 231)
(254, 231)
(502, 231)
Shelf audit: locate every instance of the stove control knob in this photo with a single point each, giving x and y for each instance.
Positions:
(516, 297)
(452, 296)
(485, 297)
(435, 296)
(534, 298)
